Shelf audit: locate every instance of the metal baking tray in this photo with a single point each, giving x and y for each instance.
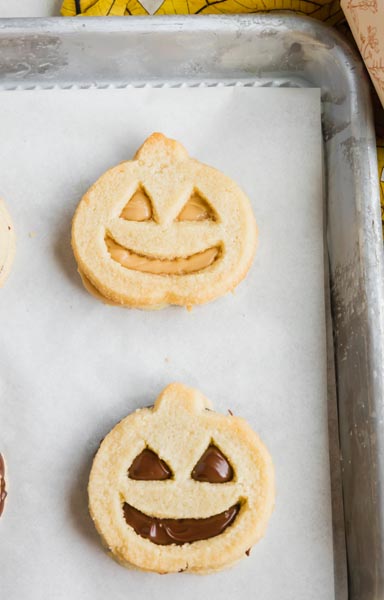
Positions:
(267, 50)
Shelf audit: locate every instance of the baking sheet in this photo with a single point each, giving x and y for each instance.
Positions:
(71, 367)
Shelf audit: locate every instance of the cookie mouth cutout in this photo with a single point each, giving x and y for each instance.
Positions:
(162, 266)
(164, 532)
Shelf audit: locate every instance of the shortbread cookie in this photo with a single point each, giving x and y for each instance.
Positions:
(178, 487)
(7, 243)
(163, 229)
(3, 491)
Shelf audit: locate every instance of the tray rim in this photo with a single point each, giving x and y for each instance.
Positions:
(290, 20)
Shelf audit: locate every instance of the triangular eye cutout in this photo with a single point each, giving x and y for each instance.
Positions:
(196, 209)
(147, 466)
(212, 467)
(138, 208)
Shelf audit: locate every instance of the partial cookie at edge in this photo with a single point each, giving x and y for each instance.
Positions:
(7, 243)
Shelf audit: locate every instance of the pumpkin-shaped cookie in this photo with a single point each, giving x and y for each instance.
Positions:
(7, 243)
(163, 229)
(178, 487)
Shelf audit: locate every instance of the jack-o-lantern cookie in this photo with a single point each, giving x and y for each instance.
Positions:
(163, 229)
(179, 487)
(7, 243)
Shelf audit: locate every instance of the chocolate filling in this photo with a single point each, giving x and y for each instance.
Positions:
(147, 466)
(178, 531)
(3, 493)
(212, 467)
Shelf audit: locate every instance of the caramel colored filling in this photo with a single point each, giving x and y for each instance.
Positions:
(138, 208)
(161, 266)
(178, 531)
(196, 209)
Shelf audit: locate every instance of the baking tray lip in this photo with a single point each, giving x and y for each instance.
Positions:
(261, 23)
(283, 18)
(288, 19)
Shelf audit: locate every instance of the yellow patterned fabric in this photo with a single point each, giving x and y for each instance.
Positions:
(326, 10)
(380, 159)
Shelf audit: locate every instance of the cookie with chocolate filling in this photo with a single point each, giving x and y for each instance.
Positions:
(163, 229)
(7, 243)
(178, 487)
(3, 491)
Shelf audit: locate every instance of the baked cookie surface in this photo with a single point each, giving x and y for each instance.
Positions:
(178, 487)
(3, 491)
(7, 243)
(163, 229)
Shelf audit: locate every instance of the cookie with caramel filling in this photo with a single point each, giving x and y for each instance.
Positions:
(162, 229)
(179, 487)
(7, 243)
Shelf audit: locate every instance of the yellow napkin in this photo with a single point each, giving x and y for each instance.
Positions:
(380, 160)
(325, 10)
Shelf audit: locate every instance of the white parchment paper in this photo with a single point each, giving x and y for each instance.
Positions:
(30, 8)
(71, 367)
